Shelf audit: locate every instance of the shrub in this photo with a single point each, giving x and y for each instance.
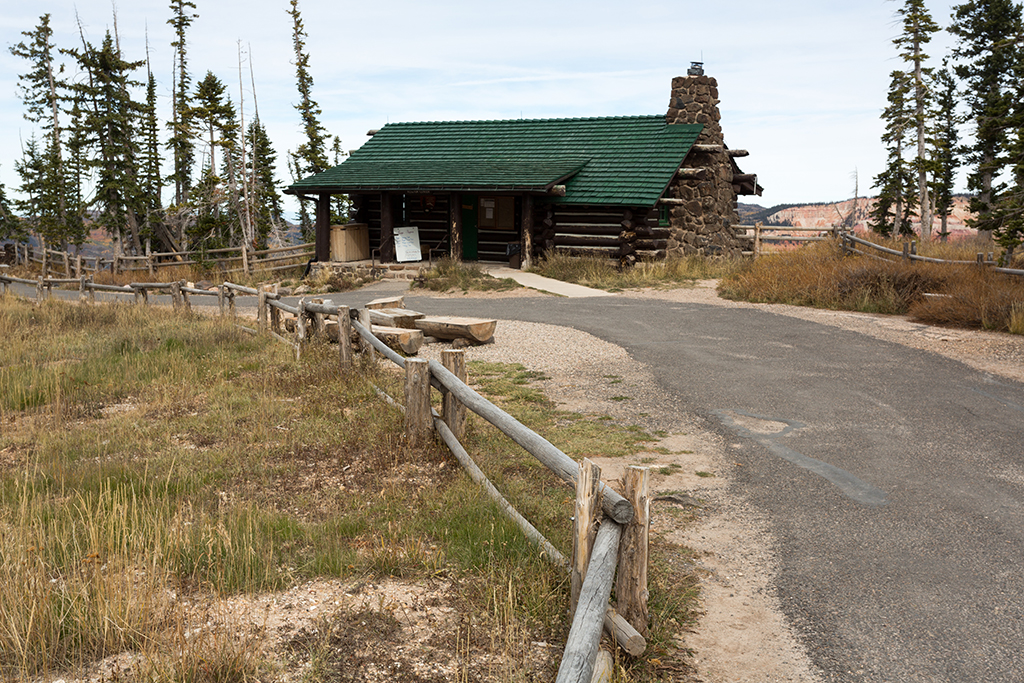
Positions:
(820, 275)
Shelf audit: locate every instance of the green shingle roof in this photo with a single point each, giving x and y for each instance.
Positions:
(627, 160)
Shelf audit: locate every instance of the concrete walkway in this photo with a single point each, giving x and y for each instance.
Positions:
(544, 284)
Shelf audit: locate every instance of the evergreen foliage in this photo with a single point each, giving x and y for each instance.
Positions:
(988, 58)
(264, 199)
(918, 28)
(896, 188)
(39, 89)
(110, 126)
(150, 180)
(945, 141)
(311, 156)
(11, 228)
(215, 198)
(180, 143)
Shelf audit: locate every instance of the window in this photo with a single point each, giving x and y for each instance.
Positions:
(498, 213)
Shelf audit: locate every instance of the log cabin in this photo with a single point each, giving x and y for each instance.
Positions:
(627, 187)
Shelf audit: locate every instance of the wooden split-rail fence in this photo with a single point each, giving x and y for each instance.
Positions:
(852, 244)
(241, 259)
(781, 234)
(610, 528)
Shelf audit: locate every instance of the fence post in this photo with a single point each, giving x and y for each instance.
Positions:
(906, 251)
(275, 319)
(39, 290)
(588, 507)
(757, 238)
(364, 320)
(913, 247)
(78, 265)
(261, 309)
(245, 260)
(317, 320)
(92, 292)
(344, 338)
(176, 294)
(149, 257)
(631, 585)
(300, 327)
(46, 261)
(182, 285)
(81, 287)
(231, 302)
(418, 421)
(454, 412)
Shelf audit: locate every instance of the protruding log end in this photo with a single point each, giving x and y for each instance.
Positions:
(618, 508)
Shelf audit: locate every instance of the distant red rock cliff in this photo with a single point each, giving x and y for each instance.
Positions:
(827, 215)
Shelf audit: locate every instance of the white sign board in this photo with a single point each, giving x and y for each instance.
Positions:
(407, 244)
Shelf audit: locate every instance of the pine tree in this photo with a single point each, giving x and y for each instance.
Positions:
(213, 112)
(77, 168)
(310, 157)
(110, 124)
(896, 190)
(988, 54)
(180, 143)
(34, 203)
(918, 28)
(216, 196)
(150, 181)
(946, 141)
(265, 200)
(39, 92)
(11, 228)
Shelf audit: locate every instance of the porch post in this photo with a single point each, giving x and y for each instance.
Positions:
(455, 209)
(387, 228)
(323, 228)
(526, 239)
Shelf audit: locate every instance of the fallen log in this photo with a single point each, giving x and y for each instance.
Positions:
(389, 302)
(476, 329)
(395, 317)
(408, 341)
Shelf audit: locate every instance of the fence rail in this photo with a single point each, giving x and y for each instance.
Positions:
(246, 261)
(856, 245)
(763, 233)
(596, 557)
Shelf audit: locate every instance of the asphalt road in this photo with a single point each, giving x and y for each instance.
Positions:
(894, 483)
(893, 479)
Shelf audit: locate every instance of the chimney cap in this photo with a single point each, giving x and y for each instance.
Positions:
(696, 69)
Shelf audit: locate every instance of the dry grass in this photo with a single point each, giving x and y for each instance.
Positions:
(454, 275)
(820, 275)
(151, 461)
(593, 271)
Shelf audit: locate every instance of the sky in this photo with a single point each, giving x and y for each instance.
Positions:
(801, 83)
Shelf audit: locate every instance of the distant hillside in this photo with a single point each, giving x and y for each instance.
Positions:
(828, 214)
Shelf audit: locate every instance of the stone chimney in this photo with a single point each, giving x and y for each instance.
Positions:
(702, 194)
